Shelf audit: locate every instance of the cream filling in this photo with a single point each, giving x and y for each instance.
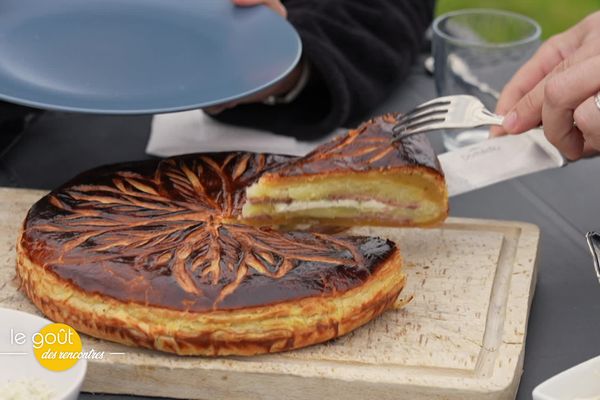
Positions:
(350, 209)
(364, 205)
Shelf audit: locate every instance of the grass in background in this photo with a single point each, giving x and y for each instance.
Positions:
(553, 15)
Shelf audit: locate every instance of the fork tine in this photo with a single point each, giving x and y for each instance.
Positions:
(445, 99)
(450, 112)
(440, 103)
(423, 116)
(428, 126)
(415, 119)
(425, 107)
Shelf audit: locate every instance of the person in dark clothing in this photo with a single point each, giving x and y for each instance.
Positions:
(13, 120)
(355, 51)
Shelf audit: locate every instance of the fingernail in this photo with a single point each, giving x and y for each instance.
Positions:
(510, 121)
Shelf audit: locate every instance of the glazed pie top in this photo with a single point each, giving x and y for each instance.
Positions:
(168, 234)
(366, 149)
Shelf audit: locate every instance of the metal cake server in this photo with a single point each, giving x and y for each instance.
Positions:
(499, 159)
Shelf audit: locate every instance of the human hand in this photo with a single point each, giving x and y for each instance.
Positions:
(275, 5)
(282, 87)
(557, 88)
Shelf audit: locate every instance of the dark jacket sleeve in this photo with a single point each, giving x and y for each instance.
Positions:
(358, 50)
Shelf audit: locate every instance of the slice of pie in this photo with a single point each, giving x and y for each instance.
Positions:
(153, 254)
(360, 178)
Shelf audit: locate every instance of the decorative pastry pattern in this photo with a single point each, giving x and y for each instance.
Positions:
(367, 148)
(131, 231)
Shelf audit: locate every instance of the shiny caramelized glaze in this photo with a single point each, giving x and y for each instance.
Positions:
(367, 148)
(167, 234)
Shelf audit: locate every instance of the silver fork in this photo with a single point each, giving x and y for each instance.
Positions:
(449, 112)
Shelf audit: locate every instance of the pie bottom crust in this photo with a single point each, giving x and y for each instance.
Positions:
(248, 331)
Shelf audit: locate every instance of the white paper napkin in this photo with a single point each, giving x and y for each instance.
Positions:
(492, 161)
(194, 132)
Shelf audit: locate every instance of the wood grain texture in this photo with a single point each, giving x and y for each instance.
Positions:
(461, 337)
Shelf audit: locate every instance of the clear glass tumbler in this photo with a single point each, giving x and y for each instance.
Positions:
(477, 51)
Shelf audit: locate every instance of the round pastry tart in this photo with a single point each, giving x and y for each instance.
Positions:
(155, 254)
(174, 255)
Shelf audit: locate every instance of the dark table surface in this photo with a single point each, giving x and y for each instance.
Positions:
(564, 325)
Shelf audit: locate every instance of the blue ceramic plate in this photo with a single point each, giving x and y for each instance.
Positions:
(139, 56)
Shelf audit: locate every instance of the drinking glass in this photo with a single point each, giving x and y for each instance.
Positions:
(476, 52)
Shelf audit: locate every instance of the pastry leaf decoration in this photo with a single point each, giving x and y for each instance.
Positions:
(182, 221)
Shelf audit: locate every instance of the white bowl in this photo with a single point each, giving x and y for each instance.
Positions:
(582, 382)
(16, 368)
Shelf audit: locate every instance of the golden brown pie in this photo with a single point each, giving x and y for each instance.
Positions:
(157, 254)
(153, 254)
(360, 178)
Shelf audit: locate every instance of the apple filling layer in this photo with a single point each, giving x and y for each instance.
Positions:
(399, 197)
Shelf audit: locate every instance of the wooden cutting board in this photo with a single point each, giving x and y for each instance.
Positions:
(461, 337)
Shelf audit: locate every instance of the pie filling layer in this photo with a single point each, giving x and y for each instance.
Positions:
(401, 198)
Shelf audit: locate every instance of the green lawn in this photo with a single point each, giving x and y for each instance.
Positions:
(553, 15)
